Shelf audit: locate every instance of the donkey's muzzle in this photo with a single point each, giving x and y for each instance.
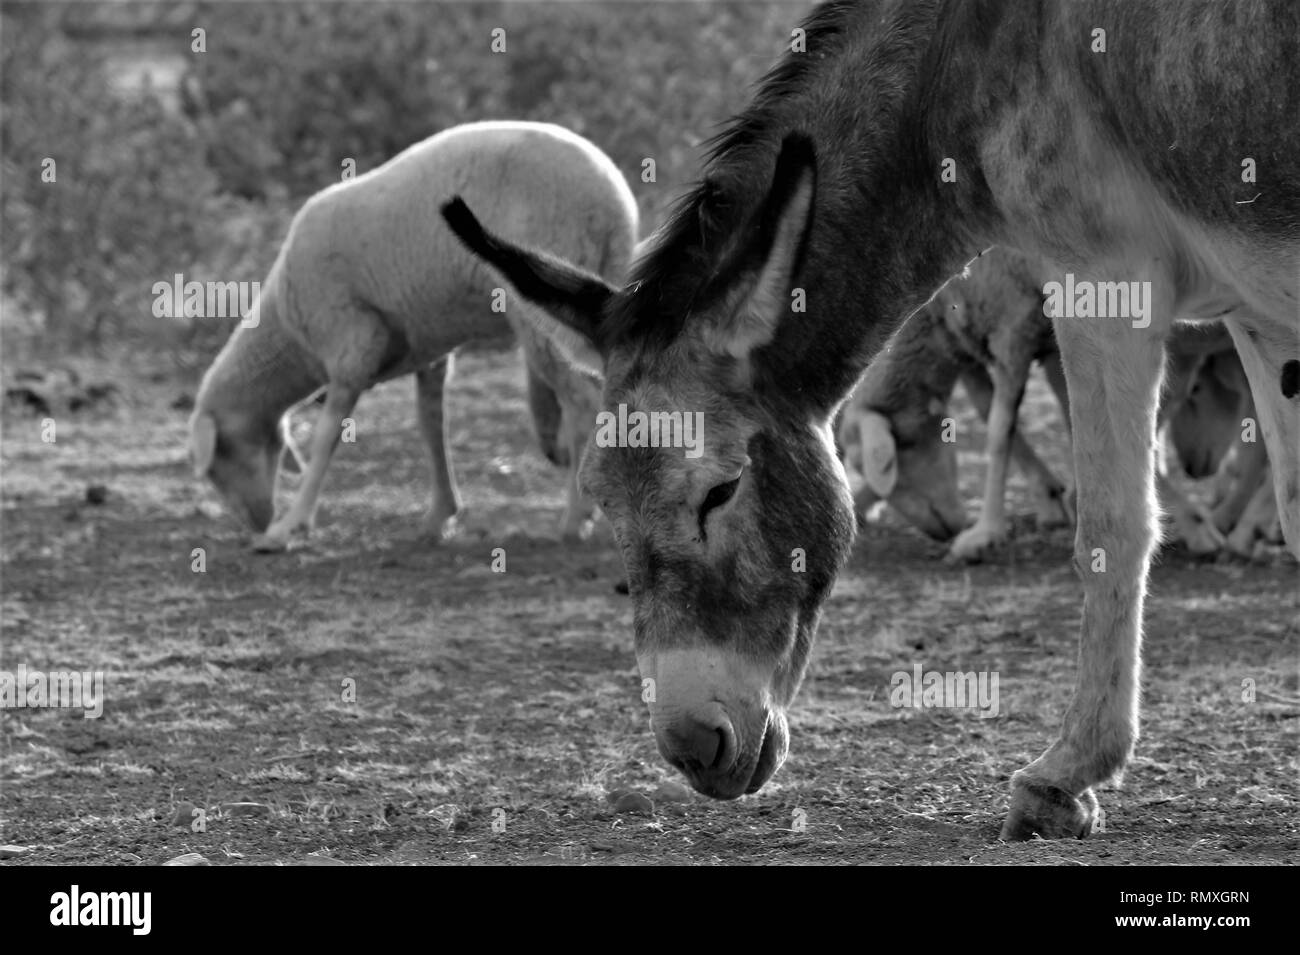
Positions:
(714, 719)
(708, 753)
(699, 746)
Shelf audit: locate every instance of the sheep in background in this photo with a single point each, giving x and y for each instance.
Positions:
(371, 285)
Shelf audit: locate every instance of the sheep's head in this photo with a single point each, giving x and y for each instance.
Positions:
(903, 460)
(241, 459)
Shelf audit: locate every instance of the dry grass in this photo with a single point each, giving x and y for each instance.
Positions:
(478, 691)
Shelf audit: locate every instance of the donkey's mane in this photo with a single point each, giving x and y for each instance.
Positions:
(682, 270)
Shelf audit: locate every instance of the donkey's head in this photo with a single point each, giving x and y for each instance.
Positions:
(720, 480)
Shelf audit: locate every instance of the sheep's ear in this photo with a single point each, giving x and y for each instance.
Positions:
(879, 453)
(203, 443)
(569, 300)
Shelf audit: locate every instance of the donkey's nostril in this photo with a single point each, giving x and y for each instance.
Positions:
(703, 744)
(721, 751)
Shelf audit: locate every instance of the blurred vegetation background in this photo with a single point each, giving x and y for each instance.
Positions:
(170, 160)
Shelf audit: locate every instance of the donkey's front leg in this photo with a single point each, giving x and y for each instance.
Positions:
(1114, 380)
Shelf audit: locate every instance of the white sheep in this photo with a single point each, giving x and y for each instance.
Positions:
(370, 285)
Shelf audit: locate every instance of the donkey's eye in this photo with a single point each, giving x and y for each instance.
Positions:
(716, 497)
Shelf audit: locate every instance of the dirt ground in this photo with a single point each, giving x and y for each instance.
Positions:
(495, 712)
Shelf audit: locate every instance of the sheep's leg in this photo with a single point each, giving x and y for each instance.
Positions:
(1114, 377)
(290, 462)
(1188, 522)
(990, 528)
(1054, 372)
(578, 512)
(339, 401)
(1045, 488)
(1266, 355)
(548, 420)
(293, 459)
(430, 384)
(1257, 518)
(1223, 484)
(1252, 464)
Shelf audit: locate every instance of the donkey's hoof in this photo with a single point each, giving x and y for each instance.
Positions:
(1038, 809)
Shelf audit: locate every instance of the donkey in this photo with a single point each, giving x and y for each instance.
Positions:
(892, 145)
(369, 285)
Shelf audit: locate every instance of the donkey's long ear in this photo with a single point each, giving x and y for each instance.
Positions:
(570, 298)
(784, 225)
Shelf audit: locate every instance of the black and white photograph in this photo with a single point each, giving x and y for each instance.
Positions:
(593, 433)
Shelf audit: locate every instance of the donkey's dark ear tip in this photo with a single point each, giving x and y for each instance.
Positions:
(797, 150)
(463, 223)
(457, 213)
(452, 205)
